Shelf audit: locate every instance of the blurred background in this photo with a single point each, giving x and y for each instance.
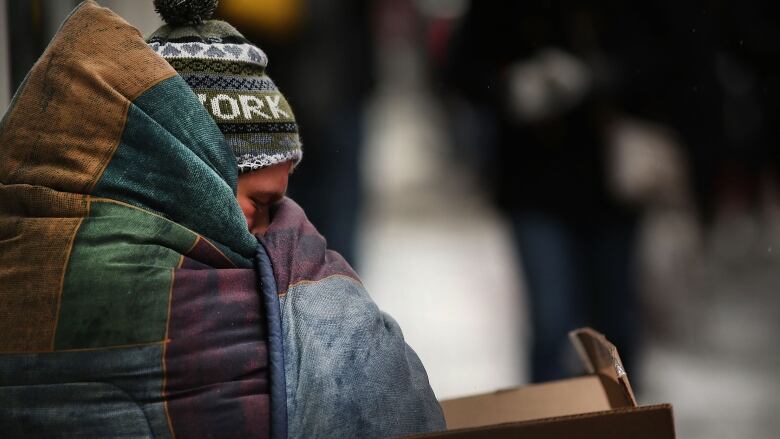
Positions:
(502, 172)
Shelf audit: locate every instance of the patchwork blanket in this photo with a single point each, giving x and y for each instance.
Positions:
(133, 300)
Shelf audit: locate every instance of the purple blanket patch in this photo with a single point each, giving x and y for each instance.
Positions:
(216, 359)
(297, 250)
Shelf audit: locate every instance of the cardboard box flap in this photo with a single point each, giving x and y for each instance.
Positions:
(602, 359)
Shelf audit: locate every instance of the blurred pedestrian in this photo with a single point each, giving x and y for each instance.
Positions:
(539, 74)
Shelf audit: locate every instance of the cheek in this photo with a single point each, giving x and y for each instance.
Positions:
(249, 210)
(284, 180)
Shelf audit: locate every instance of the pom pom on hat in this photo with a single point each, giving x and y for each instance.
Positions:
(184, 12)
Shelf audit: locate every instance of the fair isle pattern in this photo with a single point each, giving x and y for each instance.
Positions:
(229, 83)
(257, 150)
(222, 51)
(215, 67)
(268, 127)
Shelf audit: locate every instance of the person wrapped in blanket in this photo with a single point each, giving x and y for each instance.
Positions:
(138, 301)
(334, 360)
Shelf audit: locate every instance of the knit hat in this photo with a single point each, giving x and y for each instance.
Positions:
(228, 73)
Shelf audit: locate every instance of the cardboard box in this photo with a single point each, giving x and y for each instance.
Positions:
(599, 405)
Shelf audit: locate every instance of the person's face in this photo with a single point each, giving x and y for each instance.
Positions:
(258, 191)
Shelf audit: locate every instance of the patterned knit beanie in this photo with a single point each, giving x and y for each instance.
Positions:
(227, 72)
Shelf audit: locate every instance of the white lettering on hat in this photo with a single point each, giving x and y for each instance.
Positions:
(202, 98)
(217, 109)
(273, 105)
(252, 105)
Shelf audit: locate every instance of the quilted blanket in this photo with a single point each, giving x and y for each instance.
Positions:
(134, 302)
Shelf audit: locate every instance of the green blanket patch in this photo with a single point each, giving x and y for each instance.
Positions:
(118, 281)
(173, 160)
